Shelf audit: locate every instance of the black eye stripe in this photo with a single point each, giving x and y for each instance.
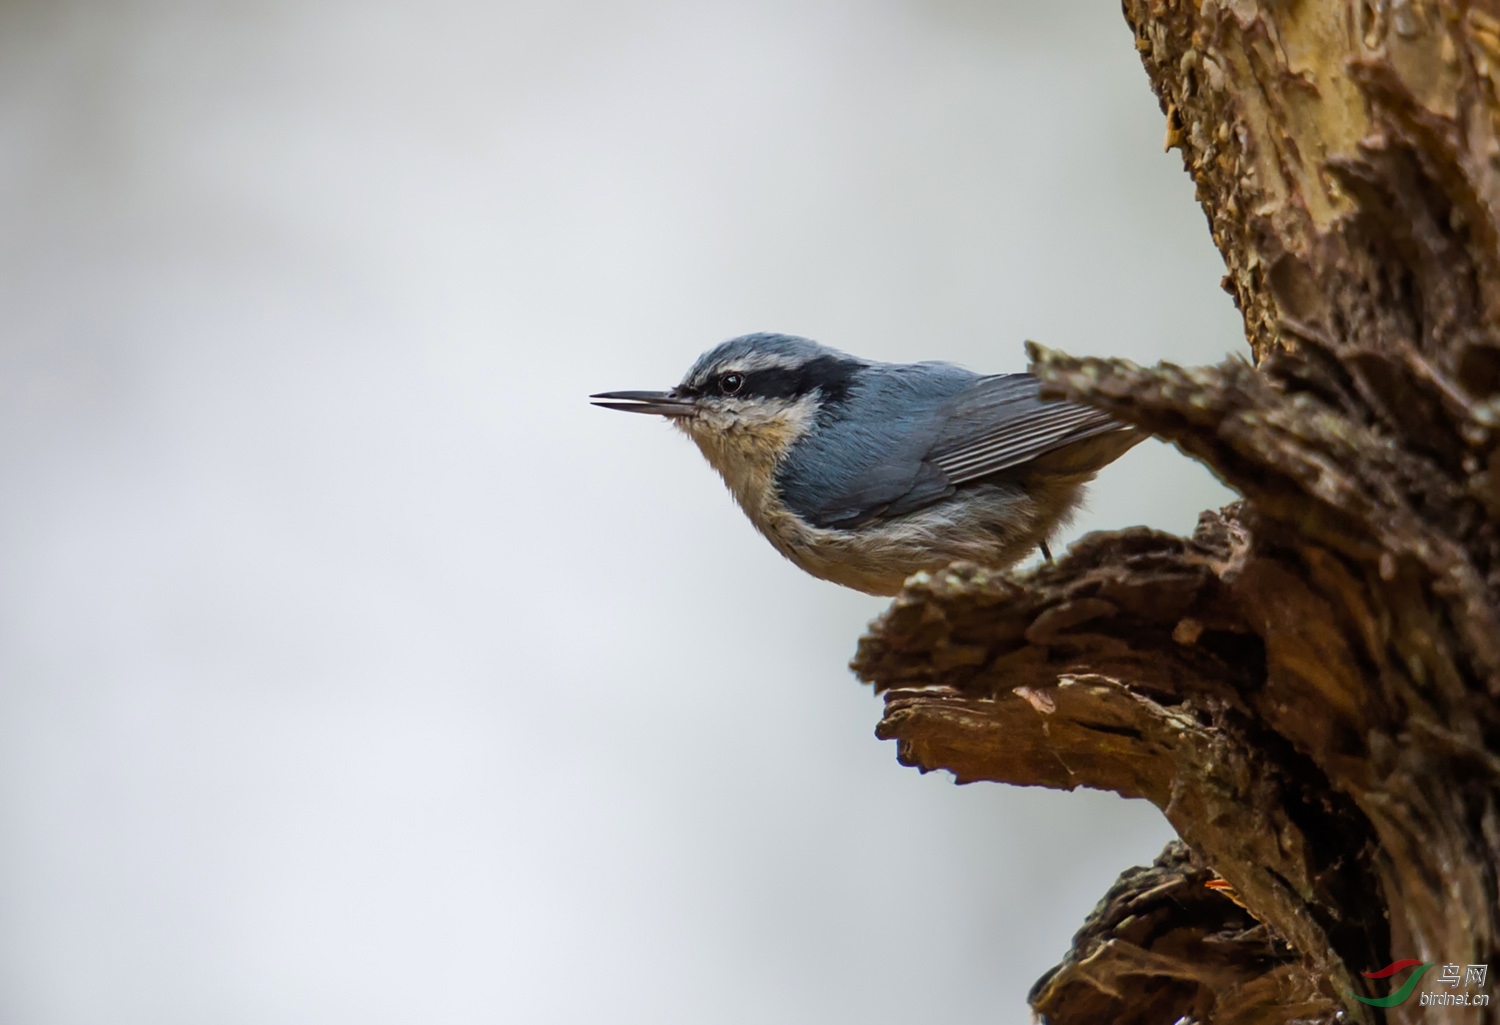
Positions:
(828, 374)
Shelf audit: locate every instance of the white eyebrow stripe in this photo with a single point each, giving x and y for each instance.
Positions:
(747, 364)
(765, 361)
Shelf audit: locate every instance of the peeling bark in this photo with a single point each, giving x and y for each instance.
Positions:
(1308, 686)
(1161, 946)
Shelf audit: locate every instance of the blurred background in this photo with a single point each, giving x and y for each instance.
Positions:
(352, 667)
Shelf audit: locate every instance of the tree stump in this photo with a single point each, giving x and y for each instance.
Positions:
(1308, 686)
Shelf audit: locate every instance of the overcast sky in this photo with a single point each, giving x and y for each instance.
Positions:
(352, 668)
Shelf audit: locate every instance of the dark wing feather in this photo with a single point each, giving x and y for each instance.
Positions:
(954, 428)
(1002, 422)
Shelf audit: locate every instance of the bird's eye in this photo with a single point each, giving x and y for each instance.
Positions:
(730, 384)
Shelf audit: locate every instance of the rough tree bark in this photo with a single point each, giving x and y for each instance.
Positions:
(1308, 686)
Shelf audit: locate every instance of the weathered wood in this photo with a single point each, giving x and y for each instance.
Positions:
(1182, 951)
(1307, 687)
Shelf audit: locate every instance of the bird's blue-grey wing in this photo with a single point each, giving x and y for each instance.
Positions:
(1002, 422)
(935, 440)
(852, 469)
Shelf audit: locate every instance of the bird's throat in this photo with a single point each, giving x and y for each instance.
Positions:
(747, 447)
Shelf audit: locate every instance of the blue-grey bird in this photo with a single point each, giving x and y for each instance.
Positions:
(864, 473)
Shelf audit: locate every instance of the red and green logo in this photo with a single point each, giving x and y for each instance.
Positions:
(1385, 973)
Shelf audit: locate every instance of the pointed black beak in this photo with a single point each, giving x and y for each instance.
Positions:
(659, 402)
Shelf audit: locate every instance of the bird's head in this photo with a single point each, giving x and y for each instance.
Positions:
(747, 401)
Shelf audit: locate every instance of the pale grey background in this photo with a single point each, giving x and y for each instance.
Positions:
(354, 669)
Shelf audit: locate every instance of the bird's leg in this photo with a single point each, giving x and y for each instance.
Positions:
(1046, 552)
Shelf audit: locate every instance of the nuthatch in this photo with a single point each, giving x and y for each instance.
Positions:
(864, 473)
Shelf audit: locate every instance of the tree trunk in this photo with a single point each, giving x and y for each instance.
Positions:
(1308, 686)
